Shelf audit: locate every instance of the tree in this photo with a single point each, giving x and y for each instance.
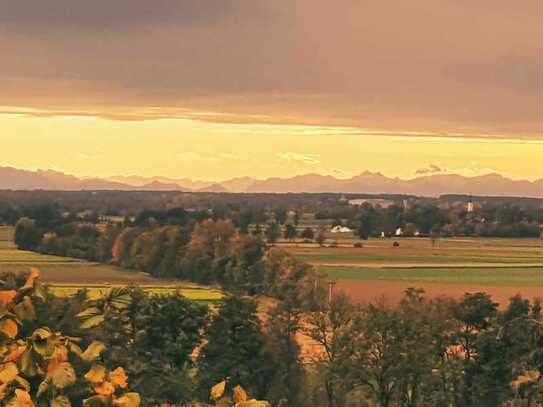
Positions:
(307, 234)
(334, 327)
(282, 328)
(272, 232)
(321, 236)
(290, 232)
(154, 337)
(235, 349)
(27, 236)
(281, 214)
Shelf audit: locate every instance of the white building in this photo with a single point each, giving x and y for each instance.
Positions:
(341, 229)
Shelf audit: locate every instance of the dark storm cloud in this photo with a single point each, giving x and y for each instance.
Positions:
(97, 14)
(428, 65)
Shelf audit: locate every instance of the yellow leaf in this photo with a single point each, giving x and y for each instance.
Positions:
(93, 351)
(253, 403)
(239, 394)
(128, 400)
(9, 328)
(22, 399)
(60, 355)
(218, 390)
(97, 374)
(8, 372)
(7, 296)
(118, 378)
(104, 389)
(61, 401)
(63, 376)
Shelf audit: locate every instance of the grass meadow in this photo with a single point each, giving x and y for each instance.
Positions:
(66, 276)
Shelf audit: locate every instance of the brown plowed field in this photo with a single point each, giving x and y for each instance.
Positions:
(391, 292)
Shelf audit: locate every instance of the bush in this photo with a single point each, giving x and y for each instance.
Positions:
(396, 244)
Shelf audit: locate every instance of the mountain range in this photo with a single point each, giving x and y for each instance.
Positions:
(367, 182)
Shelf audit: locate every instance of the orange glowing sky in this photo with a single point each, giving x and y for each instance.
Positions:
(213, 90)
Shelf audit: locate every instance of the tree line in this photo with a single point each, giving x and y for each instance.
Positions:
(131, 348)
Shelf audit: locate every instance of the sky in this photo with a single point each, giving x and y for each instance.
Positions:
(218, 89)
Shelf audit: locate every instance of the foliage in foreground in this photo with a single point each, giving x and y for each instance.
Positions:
(41, 366)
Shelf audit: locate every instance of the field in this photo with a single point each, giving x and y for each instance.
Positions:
(502, 267)
(66, 276)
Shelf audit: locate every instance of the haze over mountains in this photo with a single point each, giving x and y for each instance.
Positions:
(367, 182)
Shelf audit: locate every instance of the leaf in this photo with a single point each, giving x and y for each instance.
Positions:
(104, 389)
(119, 298)
(9, 328)
(218, 390)
(22, 399)
(128, 400)
(63, 376)
(15, 353)
(239, 394)
(92, 322)
(41, 333)
(118, 378)
(44, 386)
(89, 312)
(33, 275)
(60, 355)
(94, 401)
(97, 374)
(7, 296)
(23, 382)
(93, 351)
(8, 372)
(253, 403)
(27, 365)
(61, 401)
(25, 310)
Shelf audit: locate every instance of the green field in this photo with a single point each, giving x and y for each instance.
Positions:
(66, 276)
(485, 262)
(504, 277)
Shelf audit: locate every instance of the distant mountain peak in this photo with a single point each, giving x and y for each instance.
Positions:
(367, 182)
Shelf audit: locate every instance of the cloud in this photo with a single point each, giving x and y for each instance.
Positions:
(192, 156)
(281, 61)
(431, 169)
(229, 156)
(306, 159)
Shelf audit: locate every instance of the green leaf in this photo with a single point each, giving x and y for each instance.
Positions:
(63, 376)
(61, 401)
